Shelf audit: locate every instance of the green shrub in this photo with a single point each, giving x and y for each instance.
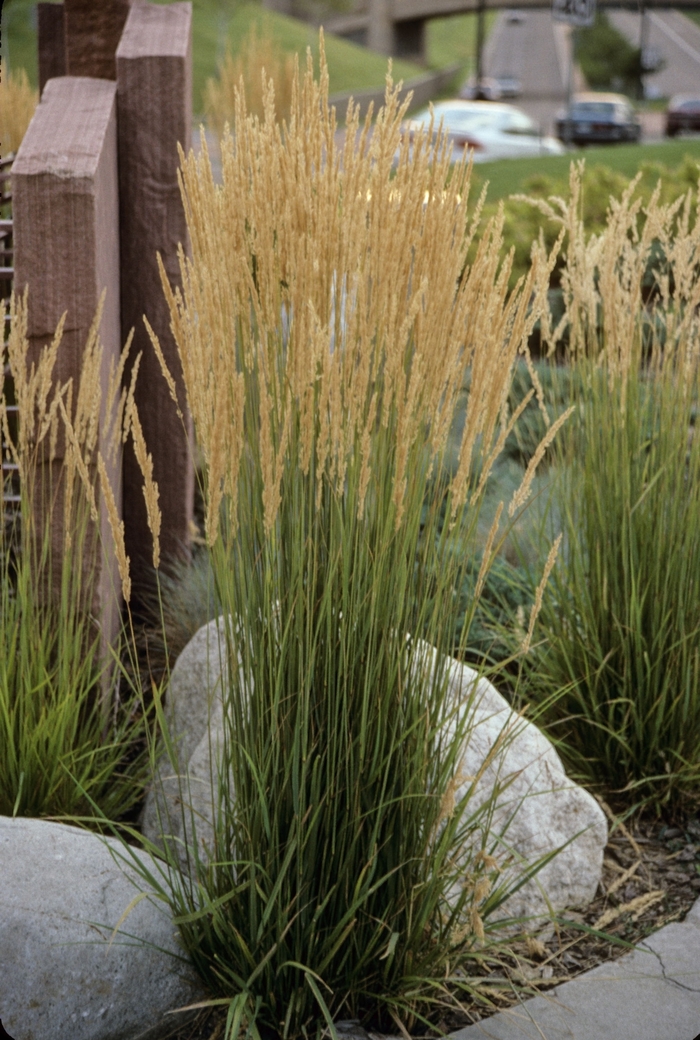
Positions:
(607, 59)
(524, 222)
(65, 751)
(621, 616)
(180, 602)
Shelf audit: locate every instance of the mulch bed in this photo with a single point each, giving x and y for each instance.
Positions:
(651, 876)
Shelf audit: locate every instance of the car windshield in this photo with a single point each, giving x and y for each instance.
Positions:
(598, 110)
(455, 117)
(464, 119)
(452, 117)
(518, 123)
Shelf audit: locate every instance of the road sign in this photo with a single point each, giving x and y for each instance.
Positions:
(574, 12)
(652, 59)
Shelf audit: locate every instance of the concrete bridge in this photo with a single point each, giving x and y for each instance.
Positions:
(397, 27)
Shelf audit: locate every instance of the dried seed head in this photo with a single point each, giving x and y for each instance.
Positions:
(537, 605)
(116, 527)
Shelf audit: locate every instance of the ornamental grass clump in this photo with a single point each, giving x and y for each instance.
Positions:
(17, 103)
(71, 736)
(617, 643)
(325, 325)
(259, 60)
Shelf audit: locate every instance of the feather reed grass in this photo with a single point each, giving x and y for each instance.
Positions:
(68, 738)
(326, 324)
(260, 61)
(616, 643)
(17, 103)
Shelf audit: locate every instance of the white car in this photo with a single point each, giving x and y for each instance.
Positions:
(491, 129)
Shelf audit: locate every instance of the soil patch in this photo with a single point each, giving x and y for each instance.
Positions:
(651, 876)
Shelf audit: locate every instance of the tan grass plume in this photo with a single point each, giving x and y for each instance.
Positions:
(18, 100)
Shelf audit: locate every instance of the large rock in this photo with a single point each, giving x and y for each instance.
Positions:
(539, 809)
(61, 976)
(194, 720)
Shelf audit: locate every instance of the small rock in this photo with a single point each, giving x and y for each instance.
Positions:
(351, 1029)
(192, 710)
(677, 878)
(540, 809)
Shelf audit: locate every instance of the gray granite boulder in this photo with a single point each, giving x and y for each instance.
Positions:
(180, 800)
(63, 975)
(539, 808)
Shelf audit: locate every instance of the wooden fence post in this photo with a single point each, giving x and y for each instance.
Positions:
(66, 250)
(52, 42)
(154, 100)
(93, 29)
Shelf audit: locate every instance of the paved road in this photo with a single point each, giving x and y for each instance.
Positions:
(530, 50)
(534, 50)
(678, 41)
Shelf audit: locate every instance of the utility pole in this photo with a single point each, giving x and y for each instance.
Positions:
(568, 125)
(573, 13)
(479, 93)
(643, 47)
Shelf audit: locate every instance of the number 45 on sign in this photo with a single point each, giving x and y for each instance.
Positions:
(574, 12)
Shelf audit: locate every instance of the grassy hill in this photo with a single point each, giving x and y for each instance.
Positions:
(453, 40)
(218, 23)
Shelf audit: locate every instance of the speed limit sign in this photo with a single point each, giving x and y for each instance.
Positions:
(574, 12)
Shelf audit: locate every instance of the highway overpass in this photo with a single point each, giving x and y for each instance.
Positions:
(397, 27)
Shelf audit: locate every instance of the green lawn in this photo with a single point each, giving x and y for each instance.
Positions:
(19, 36)
(453, 40)
(508, 176)
(351, 67)
(218, 22)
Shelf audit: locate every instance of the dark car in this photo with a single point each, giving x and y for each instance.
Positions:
(683, 113)
(598, 119)
(509, 86)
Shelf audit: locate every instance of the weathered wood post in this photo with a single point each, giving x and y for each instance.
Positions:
(154, 100)
(66, 239)
(93, 29)
(52, 42)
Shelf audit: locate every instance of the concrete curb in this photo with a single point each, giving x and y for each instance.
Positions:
(424, 88)
(652, 993)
